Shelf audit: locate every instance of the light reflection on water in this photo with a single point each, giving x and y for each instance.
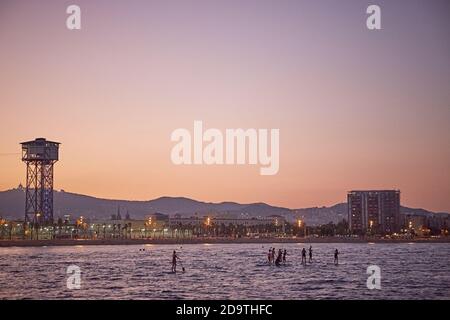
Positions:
(226, 271)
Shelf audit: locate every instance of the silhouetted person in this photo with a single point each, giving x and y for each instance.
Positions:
(284, 256)
(269, 256)
(279, 257)
(304, 256)
(174, 261)
(336, 258)
(273, 255)
(310, 254)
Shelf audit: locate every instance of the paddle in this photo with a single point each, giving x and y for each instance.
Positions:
(181, 262)
(182, 267)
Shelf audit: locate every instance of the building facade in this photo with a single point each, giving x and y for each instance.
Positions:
(238, 221)
(374, 211)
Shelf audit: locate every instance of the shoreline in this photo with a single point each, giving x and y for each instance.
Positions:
(103, 242)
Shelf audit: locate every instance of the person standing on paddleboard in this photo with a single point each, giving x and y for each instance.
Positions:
(304, 256)
(174, 261)
(279, 257)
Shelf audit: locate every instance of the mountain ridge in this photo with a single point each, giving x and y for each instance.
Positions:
(12, 206)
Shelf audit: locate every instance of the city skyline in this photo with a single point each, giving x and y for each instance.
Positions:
(228, 158)
(356, 109)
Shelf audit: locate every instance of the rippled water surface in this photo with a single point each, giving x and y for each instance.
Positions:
(226, 271)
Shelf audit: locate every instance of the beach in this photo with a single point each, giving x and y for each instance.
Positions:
(215, 240)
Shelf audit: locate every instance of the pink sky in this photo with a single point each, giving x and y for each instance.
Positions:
(356, 108)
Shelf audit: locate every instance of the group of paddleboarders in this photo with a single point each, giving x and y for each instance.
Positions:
(281, 257)
(310, 253)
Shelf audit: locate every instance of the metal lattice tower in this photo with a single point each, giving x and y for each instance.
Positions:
(39, 155)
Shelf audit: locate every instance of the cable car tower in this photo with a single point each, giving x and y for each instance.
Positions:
(39, 155)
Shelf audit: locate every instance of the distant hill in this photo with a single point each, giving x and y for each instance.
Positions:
(12, 206)
(321, 215)
(338, 212)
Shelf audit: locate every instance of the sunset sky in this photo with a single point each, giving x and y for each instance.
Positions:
(356, 108)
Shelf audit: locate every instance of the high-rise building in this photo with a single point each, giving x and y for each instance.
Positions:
(376, 211)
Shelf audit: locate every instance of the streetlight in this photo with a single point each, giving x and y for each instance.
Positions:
(2, 223)
(208, 223)
(36, 226)
(300, 224)
(148, 224)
